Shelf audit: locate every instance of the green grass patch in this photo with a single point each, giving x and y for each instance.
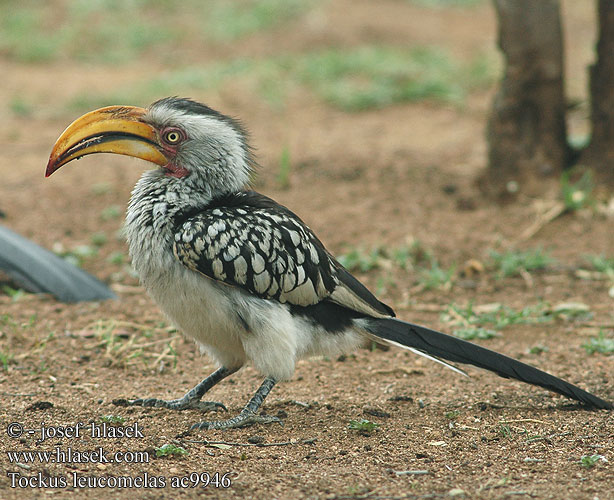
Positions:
(115, 31)
(117, 258)
(15, 294)
(113, 419)
(374, 77)
(473, 333)
(76, 255)
(352, 79)
(363, 426)
(601, 344)
(515, 262)
(361, 259)
(497, 315)
(5, 359)
(579, 194)
(589, 461)
(98, 238)
(601, 264)
(124, 343)
(505, 431)
(227, 21)
(435, 276)
(285, 168)
(413, 258)
(170, 450)
(111, 212)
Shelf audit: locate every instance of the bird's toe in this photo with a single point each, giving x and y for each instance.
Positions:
(242, 420)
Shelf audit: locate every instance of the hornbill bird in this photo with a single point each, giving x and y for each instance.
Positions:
(239, 273)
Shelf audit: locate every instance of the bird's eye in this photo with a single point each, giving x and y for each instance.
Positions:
(172, 136)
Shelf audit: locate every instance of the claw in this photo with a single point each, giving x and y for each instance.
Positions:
(242, 420)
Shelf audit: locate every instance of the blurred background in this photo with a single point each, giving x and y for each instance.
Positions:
(368, 119)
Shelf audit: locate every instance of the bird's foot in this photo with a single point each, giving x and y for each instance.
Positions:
(173, 404)
(244, 419)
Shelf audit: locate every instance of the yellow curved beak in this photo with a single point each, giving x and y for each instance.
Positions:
(113, 129)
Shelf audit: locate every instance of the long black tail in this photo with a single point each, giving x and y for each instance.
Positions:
(460, 351)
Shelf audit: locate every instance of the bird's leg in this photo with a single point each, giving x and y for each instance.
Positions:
(192, 398)
(248, 415)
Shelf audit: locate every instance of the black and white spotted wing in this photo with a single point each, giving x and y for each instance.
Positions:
(249, 241)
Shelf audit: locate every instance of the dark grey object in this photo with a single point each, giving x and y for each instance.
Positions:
(40, 271)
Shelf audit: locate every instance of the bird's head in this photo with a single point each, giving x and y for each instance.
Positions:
(189, 141)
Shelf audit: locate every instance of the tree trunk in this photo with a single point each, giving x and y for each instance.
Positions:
(526, 131)
(600, 153)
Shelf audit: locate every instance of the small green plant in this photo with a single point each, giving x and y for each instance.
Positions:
(452, 415)
(538, 349)
(363, 426)
(98, 239)
(568, 311)
(14, 293)
(505, 431)
(436, 276)
(170, 450)
(110, 212)
(373, 77)
(497, 315)
(579, 194)
(126, 343)
(5, 359)
(283, 174)
(77, 255)
(21, 108)
(601, 263)
(475, 333)
(359, 259)
(228, 21)
(515, 262)
(405, 256)
(7, 319)
(101, 188)
(113, 419)
(589, 461)
(601, 344)
(117, 258)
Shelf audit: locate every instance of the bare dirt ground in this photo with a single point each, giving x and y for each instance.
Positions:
(375, 178)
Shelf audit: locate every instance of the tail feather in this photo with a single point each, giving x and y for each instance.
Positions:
(452, 349)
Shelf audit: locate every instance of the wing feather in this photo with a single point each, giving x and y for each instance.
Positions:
(249, 241)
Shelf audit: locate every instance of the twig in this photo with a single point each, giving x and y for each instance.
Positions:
(526, 276)
(542, 219)
(596, 325)
(517, 420)
(411, 472)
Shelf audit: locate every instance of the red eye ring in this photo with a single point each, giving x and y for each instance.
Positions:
(173, 136)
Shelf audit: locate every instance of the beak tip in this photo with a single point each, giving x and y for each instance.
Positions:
(50, 168)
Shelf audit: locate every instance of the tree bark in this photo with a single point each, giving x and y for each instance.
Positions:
(600, 153)
(526, 131)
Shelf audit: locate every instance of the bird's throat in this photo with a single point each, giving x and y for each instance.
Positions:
(173, 170)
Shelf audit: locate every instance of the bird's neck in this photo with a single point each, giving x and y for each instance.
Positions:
(149, 228)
